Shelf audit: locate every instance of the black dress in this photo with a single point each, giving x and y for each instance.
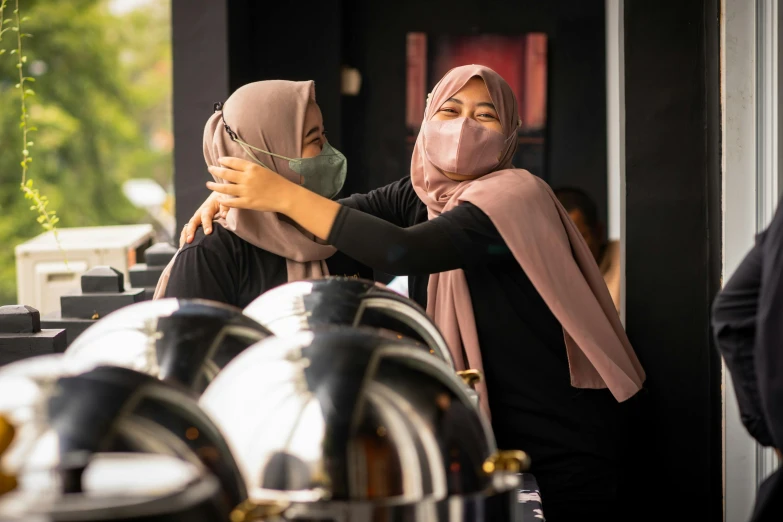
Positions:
(224, 267)
(574, 436)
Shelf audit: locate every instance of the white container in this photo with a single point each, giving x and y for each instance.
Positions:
(41, 272)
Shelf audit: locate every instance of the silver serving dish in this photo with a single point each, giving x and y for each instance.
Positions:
(125, 487)
(346, 301)
(64, 420)
(180, 341)
(343, 424)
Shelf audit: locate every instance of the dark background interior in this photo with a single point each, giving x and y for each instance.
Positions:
(267, 40)
(374, 42)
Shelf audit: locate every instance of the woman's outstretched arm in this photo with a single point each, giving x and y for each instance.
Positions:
(466, 236)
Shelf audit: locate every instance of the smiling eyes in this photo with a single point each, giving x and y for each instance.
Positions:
(486, 115)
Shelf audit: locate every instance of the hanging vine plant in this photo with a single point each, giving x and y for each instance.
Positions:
(39, 203)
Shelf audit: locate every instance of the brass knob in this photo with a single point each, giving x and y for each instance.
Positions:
(513, 461)
(7, 432)
(470, 377)
(249, 510)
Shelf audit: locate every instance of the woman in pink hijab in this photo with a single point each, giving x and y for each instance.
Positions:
(505, 274)
(275, 124)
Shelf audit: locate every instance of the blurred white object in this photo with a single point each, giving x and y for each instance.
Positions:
(123, 7)
(42, 275)
(148, 195)
(38, 68)
(144, 193)
(400, 285)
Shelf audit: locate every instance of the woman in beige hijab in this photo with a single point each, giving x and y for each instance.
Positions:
(278, 125)
(504, 273)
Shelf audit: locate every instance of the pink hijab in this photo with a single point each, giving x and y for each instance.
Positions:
(545, 243)
(268, 115)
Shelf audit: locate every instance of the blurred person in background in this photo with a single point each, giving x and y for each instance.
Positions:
(584, 213)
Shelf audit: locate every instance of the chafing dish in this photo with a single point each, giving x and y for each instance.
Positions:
(347, 425)
(308, 305)
(124, 487)
(63, 420)
(346, 301)
(181, 341)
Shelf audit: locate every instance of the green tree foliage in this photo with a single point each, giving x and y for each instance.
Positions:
(102, 107)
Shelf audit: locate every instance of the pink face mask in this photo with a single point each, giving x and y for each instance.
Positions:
(463, 146)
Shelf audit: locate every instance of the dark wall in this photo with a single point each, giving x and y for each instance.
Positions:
(673, 256)
(577, 110)
(290, 41)
(199, 36)
(220, 45)
(374, 42)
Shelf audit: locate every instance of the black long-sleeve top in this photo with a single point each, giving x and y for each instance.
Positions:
(748, 324)
(734, 315)
(769, 341)
(224, 267)
(572, 435)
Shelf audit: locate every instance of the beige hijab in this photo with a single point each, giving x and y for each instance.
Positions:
(268, 115)
(544, 241)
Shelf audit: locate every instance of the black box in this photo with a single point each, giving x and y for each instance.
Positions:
(144, 276)
(73, 327)
(21, 335)
(102, 292)
(159, 254)
(95, 306)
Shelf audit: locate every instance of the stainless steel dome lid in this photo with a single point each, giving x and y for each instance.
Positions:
(176, 340)
(348, 415)
(63, 422)
(307, 305)
(123, 487)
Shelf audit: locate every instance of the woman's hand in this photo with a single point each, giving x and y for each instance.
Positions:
(252, 186)
(209, 210)
(258, 188)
